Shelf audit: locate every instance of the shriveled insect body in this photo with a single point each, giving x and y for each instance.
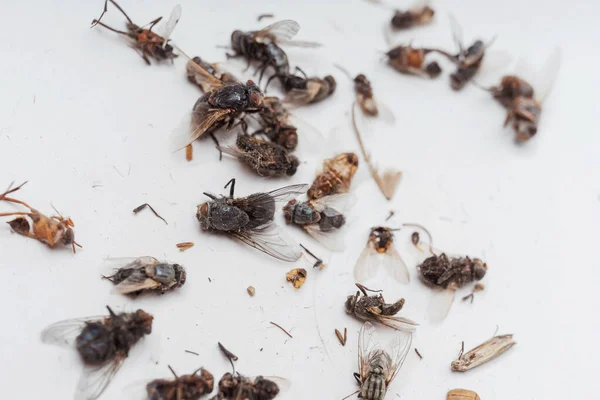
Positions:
(468, 63)
(378, 367)
(420, 15)
(147, 43)
(186, 387)
(364, 95)
(53, 231)
(103, 344)
(265, 158)
(335, 177)
(148, 274)
(462, 394)
(274, 121)
(196, 78)
(309, 90)
(524, 117)
(238, 387)
(250, 219)
(483, 353)
(380, 252)
(375, 309)
(451, 273)
(510, 88)
(410, 60)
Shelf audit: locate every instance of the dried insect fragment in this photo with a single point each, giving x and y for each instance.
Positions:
(237, 387)
(52, 230)
(419, 14)
(342, 338)
(297, 277)
(462, 394)
(229, 355)
(183, 246)
(483, 353)
(477, 288)
(251, 291)
(380, 252)
(147, 274)
(374, 309)
(103, 343)
(410, 60)
(143, 206)
(188, 387)
(335, 177)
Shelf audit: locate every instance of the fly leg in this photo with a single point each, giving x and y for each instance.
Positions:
(213, 137)
(302, 72)
(142, 52)
(357, 377)
(152, 23)
(232, 183)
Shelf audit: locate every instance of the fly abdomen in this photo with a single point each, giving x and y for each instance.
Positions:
(374, 388)
(164, 273)
(331, 219)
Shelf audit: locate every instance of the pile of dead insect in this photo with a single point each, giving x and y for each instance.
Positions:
(104, 342)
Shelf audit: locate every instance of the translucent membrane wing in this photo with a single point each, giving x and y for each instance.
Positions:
(398, 323)
(287, 193)
(95, 379)
(398, 352)
(131, 262)
(546, 77)
(341, 202)
(203, 119)
(272, 241)
(232, 151)
(204, 78)
(483, 353)
(281, 30)
(385, 113)
(368, 264)
(64, 332)
(333, 240)
(439, 305)
(366, 347)
(419, 4)
(303, 96)
(394, 264)
(135, 282)
(299, 43)
(494, 65)
(171, 23)
(310, 138)
(457, 33)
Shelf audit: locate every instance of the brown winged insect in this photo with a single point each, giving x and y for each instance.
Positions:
(523, 98)
(238, 387)
(250, 220)
(274, 121)
(146, 274)
(483, 353)
(411, 60)
(265, 158)
(420, 13)
(53, 231)
(375, 309)
(103, 344)
(380, 252)
(378, 367)
(147, 43)
(186, 387)
(335, 177)
(309, 90)
(320, 218)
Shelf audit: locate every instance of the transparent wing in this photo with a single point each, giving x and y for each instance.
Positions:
(398, 323)
(299, 43)
(63, 333)
(281, 30)
(546, 77)
(232, 151)
(439, 305)
(135, 282)
(303, 96)
(171, 23)
(366, 347)
(397, 355)
(204, 78)
(271, 240)
(308, 134)
(95, 379)
(394, 264)
(368, 264)
(202, 120)
(494, 65)
(341, 202)
(457, 33)
(333, 240)
(130, 262)
(417, 5)
(288, 192)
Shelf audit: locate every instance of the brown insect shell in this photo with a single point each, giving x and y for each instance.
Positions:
(462, 394)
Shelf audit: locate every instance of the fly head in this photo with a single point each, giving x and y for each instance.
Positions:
(479, 269)
(255, 95)
(202, 215)
(294, 163)
(142, 321)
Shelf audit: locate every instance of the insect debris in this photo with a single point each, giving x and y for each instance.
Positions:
(412, 61)
(143, 206)
(250, 220)
(192, 352)
(367, 308)
(240, 387)
(483, 353)
(190, 387)
(230, 356)
(462, 394)
(279, 326)
(147, 274)
(251, 291)
(477, 288)
(183, 246)
(419, 14)
(274, 120)
(52, 230)
(335, 177)
(419, 354)
(296, 277)
(103, 343)
(261, 16)
(146, 43)
(342, 338)
(380, 251)
(318, 262)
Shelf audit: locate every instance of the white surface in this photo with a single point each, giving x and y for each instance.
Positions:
(79, 108)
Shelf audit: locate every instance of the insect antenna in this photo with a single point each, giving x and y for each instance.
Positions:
(210, 196)
(120, 9)
(152, 23)
(344, 70)
(11, 190)
(111, 313)
(76, 244)
(96, 22)
(173, 372)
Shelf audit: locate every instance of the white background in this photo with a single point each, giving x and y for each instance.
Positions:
(88, 124)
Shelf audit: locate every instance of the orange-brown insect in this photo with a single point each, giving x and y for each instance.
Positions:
(145, 42)
(462, 394)
(335, 177)
(410, 60)
(52, 230)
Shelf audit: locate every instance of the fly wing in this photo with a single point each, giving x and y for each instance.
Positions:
(392, 261)
(367, 264)
(487, 351)
(545, 78)
(171, 23)
(341, 202)
(309, 135)
(494, 64)
(299, 43)
(439, 305)
(135, 282)
(282, 383)
(131, 262)
(287, 193)
(202, 120)
(303, 96)
(281, 30)
(63, 333)
(457, 33)
(272, 241)
(95, 379)
(398, 323)
(333, 240)
(367, 345)
(257, 200)
(397, 355)
(204, 78)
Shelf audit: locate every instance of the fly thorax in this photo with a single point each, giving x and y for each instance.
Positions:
(301, 213)
(224, 217)
(164, 273)
(95, 343)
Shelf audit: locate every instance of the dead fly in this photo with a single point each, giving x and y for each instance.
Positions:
(524, 99)
(196, 77)
(462, 394)
(378, 367)
(274, 124)
(380, 252)
(147, 43)
(309, 90)
(53, 231)
(335, 176)
(103, 344)
(238, 387)
(320, 218)
(410, 60)
(483, 353)
(446, 274)
(419, 14)
(221, 106)
(146, 274)
(375, 309)
(186, 387)
(250, 219)
(265, 158)
(296, 277)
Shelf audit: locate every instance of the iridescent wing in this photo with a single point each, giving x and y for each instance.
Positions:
(63, 333)
(439, 304)
(396, 356)
(367, 345)
(95, 379)
(171, 23)
(272, 241)
(135, 282)
(281, 30)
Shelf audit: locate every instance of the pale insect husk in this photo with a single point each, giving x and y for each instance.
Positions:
(462, 394)
(483, 353)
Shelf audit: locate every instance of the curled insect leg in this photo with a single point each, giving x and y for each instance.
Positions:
(231, 190)
(213, 137)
